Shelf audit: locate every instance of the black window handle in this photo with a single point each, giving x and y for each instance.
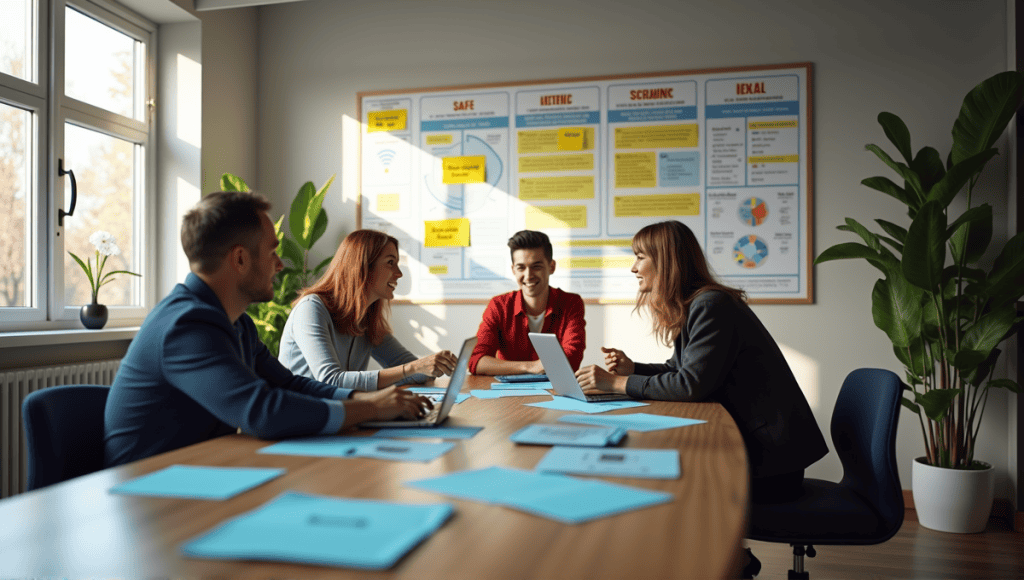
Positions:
(74, 192)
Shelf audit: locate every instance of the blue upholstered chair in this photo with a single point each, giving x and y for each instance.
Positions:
(63, 432)
(866, 506)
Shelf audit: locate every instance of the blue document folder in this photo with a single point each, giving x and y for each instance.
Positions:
(633, 421)
(194, 481)
(544, 434)
(374, 447)
(558, 497)
(643, 463)
(325, 531)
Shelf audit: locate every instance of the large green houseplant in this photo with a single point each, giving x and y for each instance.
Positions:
(940, 303)
(307, 221)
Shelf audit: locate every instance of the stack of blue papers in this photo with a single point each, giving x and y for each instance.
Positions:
(326, 531)
(633, 421)
(541, 434)
(558, 497)
(499, 393)
(644, 463)
(374, 447)
(560, 403)
(193, 481)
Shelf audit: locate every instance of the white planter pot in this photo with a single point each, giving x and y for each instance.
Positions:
(952, 500)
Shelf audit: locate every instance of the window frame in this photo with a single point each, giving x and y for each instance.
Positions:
(51, 110)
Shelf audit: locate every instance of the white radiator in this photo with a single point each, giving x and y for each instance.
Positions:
(14, 387)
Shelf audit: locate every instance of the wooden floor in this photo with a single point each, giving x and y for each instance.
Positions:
(914, 552)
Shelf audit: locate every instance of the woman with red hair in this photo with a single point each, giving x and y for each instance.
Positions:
(339, 322)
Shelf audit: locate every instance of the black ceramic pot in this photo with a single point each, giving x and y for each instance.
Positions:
(93, 315)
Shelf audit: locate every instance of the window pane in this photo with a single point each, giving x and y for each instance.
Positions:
(15, 172)
(15, 37)
(105, 169)
(99, 64)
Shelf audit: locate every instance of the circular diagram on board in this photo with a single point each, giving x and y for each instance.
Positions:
(749, 251)
(753, 211)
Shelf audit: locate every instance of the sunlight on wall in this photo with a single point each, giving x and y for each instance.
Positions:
(190, 85)
(186, 195)
(805, 369)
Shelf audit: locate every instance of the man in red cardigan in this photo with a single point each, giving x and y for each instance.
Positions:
(503, 345)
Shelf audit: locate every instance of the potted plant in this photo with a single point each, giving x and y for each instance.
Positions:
(942, 307)
(308, 222)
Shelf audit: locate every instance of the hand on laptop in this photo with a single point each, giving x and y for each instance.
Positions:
(617, 362)
(394, 402)
(595, 380)
(435, 365)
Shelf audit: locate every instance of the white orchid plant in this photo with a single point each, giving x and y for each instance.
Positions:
(106, 245)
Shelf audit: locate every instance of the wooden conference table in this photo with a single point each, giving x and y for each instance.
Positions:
(78, 529)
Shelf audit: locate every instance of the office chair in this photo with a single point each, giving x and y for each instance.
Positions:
(866, 506)
(63, 432)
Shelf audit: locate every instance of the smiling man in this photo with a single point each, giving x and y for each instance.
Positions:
(197, 370)
(503, 345)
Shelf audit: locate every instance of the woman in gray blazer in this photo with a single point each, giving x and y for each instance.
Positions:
(721, 353)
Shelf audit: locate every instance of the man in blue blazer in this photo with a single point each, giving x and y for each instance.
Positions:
(197, 370)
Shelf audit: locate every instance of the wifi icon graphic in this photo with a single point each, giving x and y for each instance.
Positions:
(386, 156)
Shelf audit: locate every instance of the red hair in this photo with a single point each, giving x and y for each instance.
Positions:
(682, 275)
(343, 287)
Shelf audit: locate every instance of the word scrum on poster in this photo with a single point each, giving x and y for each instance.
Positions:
(453, 172)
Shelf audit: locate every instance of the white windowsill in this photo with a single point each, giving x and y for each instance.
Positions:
(70, 336)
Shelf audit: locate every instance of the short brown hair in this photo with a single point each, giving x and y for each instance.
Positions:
(219, 222)
(528, 240)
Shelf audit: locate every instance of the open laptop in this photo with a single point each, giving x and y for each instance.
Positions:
(439, 413)
(560, 373)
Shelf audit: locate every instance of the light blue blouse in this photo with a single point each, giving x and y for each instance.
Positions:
(312, 347)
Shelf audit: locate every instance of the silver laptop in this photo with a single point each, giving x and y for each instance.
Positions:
(559, 371)
(439, 413)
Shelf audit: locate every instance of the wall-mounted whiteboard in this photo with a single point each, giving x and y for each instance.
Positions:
(453, 172)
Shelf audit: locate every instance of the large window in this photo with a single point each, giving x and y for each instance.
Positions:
(76, 85)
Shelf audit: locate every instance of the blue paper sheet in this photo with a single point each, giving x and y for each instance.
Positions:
(632, 421)
(524, 385)
(193, 481)
(439, 432)
(643, 463)
(324, 531)
(373, 447)
(499, 393)
(558, 497)
(545, 434)
(559, 403)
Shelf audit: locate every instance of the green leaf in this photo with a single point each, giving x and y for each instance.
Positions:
(229, 182)
(318, 229)
(886, 186)
(916, 194)
(897, 132)
(924, 254)
(897, 232)
(991, 329)
(970, 234)
(896, 310)
(928, 165)
(315, 215)
(870, 238)
(911, 405)
(985, 112)
(957, 177)
(936, 402)
(914, 358)
(1007, 384)
(87, 268)
(852, 250)
(291, 251)
(1006, 279)
(297, 214)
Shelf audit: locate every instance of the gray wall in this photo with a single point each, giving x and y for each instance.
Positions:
(916, 59)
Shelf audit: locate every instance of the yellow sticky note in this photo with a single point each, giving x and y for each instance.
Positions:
(446, 233)
(470, 169)
(386, 120)
(556, 216)
(570, 139)
(439, 270)
(387, 202)
(660, 205)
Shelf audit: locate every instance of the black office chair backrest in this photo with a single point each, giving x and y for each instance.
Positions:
(864, 425)
(63, 432)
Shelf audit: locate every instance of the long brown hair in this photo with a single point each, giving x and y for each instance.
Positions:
(343, 287)
(682, 275)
